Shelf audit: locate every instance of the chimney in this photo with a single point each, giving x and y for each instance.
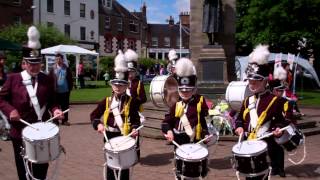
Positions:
(185, 18)
(144, 9)
(171, 20)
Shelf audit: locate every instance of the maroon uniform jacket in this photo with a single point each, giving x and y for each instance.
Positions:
(14, 95)
(171, 122)
(134, 91)
(100, 109)
(274, 114)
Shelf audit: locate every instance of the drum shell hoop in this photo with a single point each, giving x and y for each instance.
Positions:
(34, 144)
(250, 155)
(110, 154)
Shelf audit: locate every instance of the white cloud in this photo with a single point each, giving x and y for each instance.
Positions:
(182, 5)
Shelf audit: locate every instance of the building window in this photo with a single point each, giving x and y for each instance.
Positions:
(133, 26)
(67, 30)
(82, 33)
(17, 20)
(82, 10)
(67, 7)
(107, 3)
(167, 41)
(120, 44)
(178, 42)
(50, 6)
(107, 24)
(92, 14)
(120, 24)
(50, 24)
(132, 44)
(154, 41)
(108, 45)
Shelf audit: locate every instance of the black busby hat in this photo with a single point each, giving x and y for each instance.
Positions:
(132, 59)
(186, 74)
(277, 84)
(31, 53)
(120, 70)
(258, 67)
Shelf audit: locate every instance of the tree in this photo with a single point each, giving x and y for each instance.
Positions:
(277, 23)
(49, 36)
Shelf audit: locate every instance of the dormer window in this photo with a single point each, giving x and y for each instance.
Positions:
(107, 3)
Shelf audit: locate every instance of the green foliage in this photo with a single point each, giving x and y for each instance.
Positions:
(49, 36)
(278, 23)
(106, 64)
(147, 62)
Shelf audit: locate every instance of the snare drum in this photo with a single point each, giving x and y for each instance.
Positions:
(291, 138)
(191, 161)
(236, 92)
(42, 145)
(250, 158)
(164, 91)
(122, 153)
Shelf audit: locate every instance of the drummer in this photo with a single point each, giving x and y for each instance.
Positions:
(185, 122)
(262, 112)
(16, 104)
(173, 58)
(136, 87)
(119, 111)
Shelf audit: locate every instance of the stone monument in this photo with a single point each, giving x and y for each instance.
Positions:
(214, 61)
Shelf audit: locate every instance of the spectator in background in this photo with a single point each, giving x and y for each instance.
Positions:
(63, 84)
(106, 78)
(162, 70)
(81, 73)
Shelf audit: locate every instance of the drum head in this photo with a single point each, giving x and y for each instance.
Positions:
(192, 152)
(164, 91)
(120, 143)
(249, 147)
(171, 91)
(45, 130)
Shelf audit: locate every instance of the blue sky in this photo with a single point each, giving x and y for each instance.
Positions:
(158, 10)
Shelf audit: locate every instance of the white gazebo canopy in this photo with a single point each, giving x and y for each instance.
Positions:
(70, 49)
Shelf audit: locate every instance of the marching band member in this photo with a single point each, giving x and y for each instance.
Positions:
(17, 101)
(173, 58)
(185, 122)
(261, 112)
(136, 87)
(120, 113)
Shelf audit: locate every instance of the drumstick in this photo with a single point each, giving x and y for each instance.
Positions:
(135, 130)
(239, 140)
(270, 134)
(205, 139)
(57, 115)
(106, 138)
(28, 124)
(176, 144)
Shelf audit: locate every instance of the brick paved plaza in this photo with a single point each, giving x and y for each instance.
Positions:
(84, 159)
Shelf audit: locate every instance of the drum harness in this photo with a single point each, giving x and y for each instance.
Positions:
(32, 92)
(181, 112)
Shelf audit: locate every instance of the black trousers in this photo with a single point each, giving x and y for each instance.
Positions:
(125, 173)
(39, 171)
(64, 100)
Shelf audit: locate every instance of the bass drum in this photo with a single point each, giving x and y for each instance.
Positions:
(236, 92)
(164, 91)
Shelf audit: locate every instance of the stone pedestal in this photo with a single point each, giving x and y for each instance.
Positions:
(214, 63)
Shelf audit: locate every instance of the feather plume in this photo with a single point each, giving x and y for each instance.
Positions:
(280, 73)
(131, 55)
(259, 55)
(172, 55)
(185, 67)
(120, 64)
(33, 38)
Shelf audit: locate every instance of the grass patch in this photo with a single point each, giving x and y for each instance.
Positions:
(309, 98)
(95, 93)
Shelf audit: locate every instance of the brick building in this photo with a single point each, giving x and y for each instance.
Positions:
(15, 12)
(164, 37)
(121, 29)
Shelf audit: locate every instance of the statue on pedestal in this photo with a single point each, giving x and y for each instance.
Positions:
(211, 23)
